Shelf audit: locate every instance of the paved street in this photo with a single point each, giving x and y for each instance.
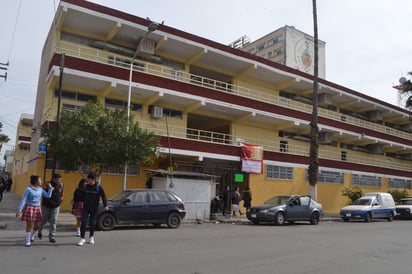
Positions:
(334, 247)
(331, 247)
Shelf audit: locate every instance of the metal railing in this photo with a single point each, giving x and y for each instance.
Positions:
(329, 153)
(107, 58)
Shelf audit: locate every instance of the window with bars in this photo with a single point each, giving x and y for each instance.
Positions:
(399, 183)
(366, 180)
(279, 172)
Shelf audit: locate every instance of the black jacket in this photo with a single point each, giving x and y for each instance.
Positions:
(91, 195)
(55, 200)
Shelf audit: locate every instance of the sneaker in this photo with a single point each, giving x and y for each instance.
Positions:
(78, 234)
(91, 241)
(52, 240)
(81, 242)
(39, 235)
(32, 238)
(28, 244)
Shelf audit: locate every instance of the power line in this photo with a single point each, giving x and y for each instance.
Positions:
(14, 30)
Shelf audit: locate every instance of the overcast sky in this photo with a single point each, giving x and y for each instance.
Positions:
(368, 42)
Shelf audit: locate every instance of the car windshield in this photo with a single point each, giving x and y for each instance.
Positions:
(278, 200)
(405, 202)
(119, 196)
(363, 201)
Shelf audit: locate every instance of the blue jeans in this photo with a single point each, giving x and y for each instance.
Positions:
(91, 216)
(49, 215)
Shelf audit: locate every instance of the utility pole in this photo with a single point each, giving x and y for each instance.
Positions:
(3, 66)
(58, 107)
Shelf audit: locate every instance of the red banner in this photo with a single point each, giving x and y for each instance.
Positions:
(252, 158)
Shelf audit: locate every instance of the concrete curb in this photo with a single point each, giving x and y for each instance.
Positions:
(9, 204)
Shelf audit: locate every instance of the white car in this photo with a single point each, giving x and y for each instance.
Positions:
(373, 205)
(404, 208)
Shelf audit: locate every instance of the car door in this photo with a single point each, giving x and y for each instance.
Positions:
(159, 205)
(298, 208)
(134, 208)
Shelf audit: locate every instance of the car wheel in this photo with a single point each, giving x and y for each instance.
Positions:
(280, 218)
(368, 217)
(255, 222)
(314, 219)
(106, 222)
(391, 216)
(173, 220)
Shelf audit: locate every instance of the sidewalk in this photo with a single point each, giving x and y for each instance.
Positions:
(10, 202)
(8, 209)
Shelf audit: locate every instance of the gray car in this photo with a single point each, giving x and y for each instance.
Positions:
(290, 208)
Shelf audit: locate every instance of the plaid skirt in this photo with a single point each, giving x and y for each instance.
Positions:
(31, 214)
(77, 210)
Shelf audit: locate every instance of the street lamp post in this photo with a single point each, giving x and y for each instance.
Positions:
(151, 28)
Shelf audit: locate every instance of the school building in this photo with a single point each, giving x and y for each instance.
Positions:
(206, 100)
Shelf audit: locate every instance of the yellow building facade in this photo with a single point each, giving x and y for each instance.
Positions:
(204, 100)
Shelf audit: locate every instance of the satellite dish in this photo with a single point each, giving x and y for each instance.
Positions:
(402, 80)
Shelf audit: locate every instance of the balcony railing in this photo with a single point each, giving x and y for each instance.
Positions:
(107, 58)
(269, 145)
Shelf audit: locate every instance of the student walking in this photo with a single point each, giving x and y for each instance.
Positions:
(77, 204)
(236, 198)
(247, 198)
(30, 205)
(93, 191)
(50, 208)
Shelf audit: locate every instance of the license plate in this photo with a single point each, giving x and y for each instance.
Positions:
(253, 215)
(348, 214)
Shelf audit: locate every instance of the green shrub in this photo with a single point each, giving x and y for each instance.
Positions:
(353, 193)
(398, 194)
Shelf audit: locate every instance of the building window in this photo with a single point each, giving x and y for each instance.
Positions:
(72, 108)
(343, 155)
(260, 47)
(275, 40)
(279, 172)
(113, 103)
(366, 180)
(75, 96)
(169, 112)
(399, 183)
(330, 177)
(283, 146)
(278, 51)
(333, 177)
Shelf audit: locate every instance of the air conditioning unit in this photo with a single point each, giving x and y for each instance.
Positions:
(376, 148)
(324, 99)
(147, 47)
(375, 116)
(325, 137)
(156, 112)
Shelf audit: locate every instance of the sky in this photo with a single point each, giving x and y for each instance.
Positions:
(368, 42)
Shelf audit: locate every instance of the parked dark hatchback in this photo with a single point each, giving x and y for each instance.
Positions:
(142, 206)
(290, 208)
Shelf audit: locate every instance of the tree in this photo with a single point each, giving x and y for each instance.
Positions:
(353, 193)
(99, 135)
(406, 87)
(3, 138)
(398, 194)
(314, 132)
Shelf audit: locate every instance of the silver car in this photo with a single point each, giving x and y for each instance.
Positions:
(290, 208)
